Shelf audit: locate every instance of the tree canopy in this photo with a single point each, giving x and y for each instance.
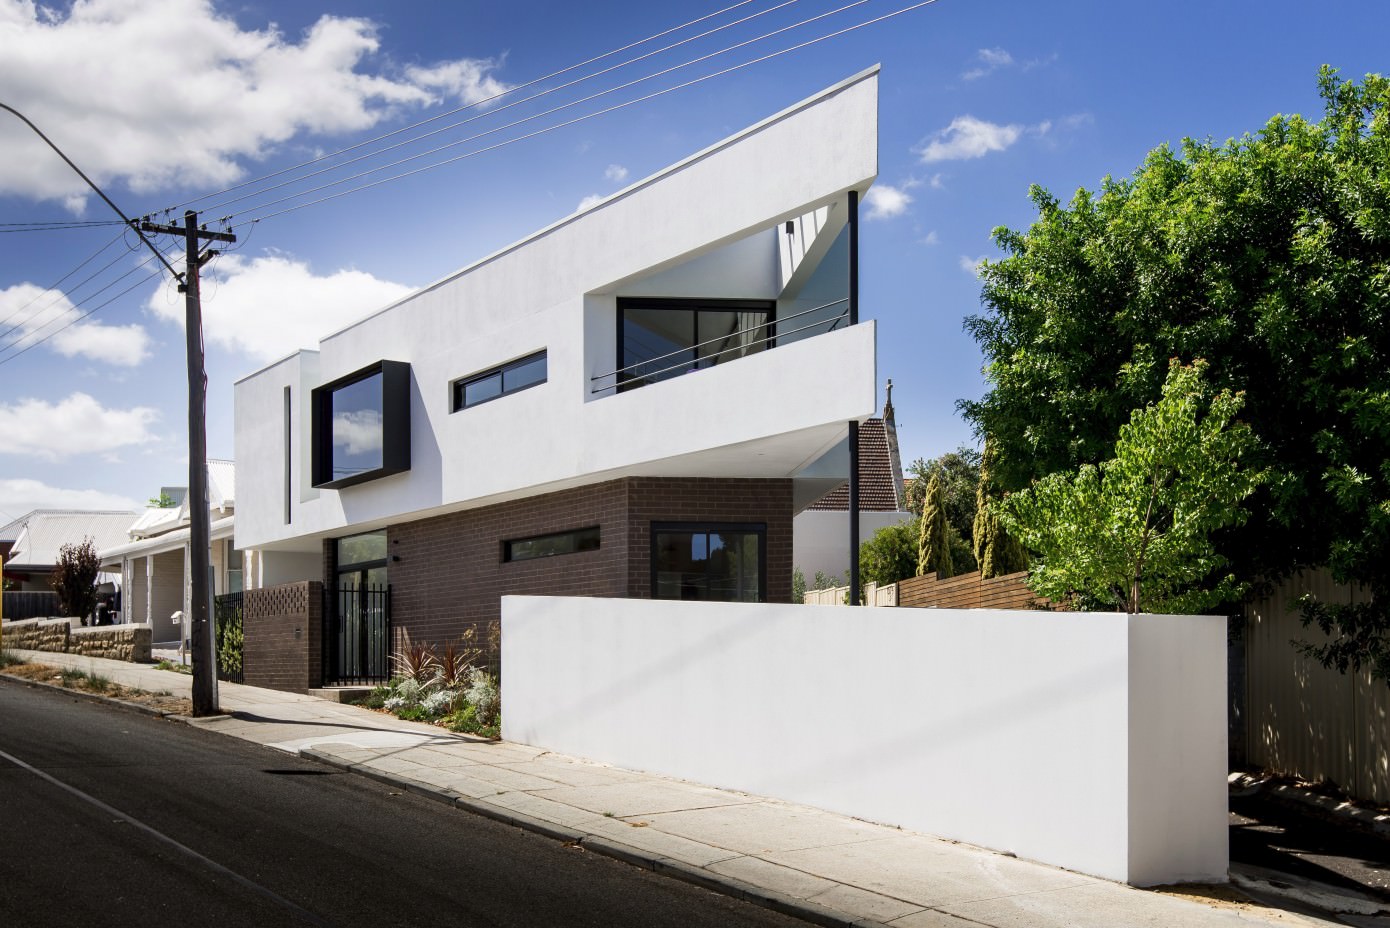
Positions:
(1134, 532)
(1268, 255)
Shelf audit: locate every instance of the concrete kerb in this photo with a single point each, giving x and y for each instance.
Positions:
(1289, 794)
(688, 873)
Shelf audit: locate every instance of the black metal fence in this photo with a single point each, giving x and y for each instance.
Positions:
(227, 612)
(357, 635)
(32, 605)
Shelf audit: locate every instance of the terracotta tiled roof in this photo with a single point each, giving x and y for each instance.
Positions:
(875, 475)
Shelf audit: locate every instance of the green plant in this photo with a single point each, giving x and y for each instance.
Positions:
(70, 676)
(1136, 531)
(376, 699)
(798, 585)
(416, 661)
(10, 659)
(176, 668)
(74, 578)
(414, 713)
(933, 540)
(457, 659)
(97, 682)
(465, 720)
(162, 501)
(890, 555)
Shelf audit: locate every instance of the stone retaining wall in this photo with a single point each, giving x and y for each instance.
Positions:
(115, 642)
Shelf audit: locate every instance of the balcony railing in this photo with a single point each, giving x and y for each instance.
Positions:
(637, 373)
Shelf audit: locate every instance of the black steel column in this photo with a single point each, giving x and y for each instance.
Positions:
(854, 424)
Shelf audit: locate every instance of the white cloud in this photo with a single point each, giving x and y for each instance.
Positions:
(931, 238)
(886, 201)
(270, 306)
(465, 81)
(589, 201)
(21, 495)
(33, 313)
(988, 60)
(967, 137)
(616, 173)
(971, 265)
(108, 81)
(76, 425)
(936, 181)
(358, 431)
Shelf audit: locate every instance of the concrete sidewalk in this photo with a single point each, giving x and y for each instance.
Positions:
(823, 867)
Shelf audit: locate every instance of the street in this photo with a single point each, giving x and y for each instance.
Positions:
(109, 817)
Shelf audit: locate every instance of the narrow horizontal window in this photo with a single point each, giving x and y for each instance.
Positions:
(525, 549)
(499, 381)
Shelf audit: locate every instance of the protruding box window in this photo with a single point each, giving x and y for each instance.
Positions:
(361, 426)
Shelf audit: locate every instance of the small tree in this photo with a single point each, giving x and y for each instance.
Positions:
(933, 541)
(996, 551)
(162, 501)
(890, 555)
(1135, 532)
(74, 578)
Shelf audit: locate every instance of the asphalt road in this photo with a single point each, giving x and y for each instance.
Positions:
(108, 817)
(1267, 834)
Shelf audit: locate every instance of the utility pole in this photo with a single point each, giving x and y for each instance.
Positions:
(199, 531)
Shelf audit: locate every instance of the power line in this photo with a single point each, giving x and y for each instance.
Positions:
(602, 112)
(56, 225)
(556, 109)
(57, 283)
(460, 109)
(492, 113)
(157, 273)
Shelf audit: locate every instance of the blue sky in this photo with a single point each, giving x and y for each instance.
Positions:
(978, 99)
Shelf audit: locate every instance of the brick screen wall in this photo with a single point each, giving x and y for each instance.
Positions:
(283, 628)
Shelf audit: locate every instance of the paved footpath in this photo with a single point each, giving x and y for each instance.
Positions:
(826, 868)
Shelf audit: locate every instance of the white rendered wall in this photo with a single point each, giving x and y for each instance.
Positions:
(1091, 741)
(716, 210)
(820, 539)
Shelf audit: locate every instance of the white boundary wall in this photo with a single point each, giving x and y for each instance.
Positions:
(1091, 741)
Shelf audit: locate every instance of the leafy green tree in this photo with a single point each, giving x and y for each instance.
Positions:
(1269, 255)
(74, 579)
(1136, 531)
(933, 535)
(890, 555)
(162, 501)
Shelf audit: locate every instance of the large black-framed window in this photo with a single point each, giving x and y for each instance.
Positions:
(361, 426)
(719, 562)
(505, 379)
(661, 338)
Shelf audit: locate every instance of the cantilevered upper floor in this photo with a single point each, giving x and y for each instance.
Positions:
(696, 323)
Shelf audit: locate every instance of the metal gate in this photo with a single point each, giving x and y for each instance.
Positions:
(357, 635)
(226, 610)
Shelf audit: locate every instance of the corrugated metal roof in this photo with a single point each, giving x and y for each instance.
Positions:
(47, 530)
(155, 520)
(876, 477)
(221, 485)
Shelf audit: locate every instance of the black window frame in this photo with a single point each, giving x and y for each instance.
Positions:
(747, 528)
(395, 425)
(509, 558)
(458, 386)
(686, 304)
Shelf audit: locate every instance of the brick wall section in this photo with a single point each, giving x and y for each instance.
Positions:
(283, 629)
(692, 499)
(968, 591)
(450, 575)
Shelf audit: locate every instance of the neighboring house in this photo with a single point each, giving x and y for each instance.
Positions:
(819, 532)
(634, 401)
(152, 557)
(38, 536)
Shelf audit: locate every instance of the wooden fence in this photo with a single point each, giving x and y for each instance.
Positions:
(968, 591)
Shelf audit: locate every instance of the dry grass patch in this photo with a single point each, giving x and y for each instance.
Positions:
(82, 681)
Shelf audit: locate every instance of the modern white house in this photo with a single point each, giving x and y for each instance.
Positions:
(633, 402)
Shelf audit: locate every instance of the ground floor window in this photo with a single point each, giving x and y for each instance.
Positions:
(721, 563)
